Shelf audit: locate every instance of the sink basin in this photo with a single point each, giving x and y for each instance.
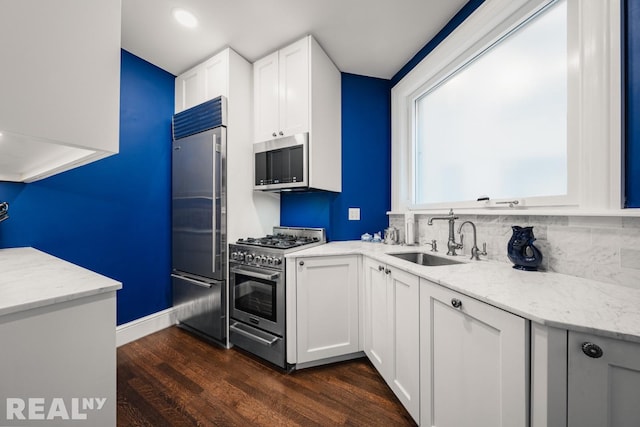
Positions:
(426, 259)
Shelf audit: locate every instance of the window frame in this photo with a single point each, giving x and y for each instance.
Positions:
(594, 140)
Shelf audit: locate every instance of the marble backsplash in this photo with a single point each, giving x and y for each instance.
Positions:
(606, 249)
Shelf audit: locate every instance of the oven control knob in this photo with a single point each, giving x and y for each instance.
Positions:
(263, 259)
(248, 257)
(277, 261)
(234, 255)
(269, 260)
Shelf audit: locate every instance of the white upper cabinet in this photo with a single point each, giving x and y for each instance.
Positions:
(281, 94)
(297, 89)
(60, 85)
(203, 82)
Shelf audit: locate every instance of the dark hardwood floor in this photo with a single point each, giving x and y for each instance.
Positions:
(172, 378)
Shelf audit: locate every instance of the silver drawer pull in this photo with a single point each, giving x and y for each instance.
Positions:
(456, 303)
(237, 329)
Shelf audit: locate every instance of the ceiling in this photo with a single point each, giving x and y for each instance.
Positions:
(367, 37)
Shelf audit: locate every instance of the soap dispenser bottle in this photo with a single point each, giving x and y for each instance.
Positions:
(409, 229)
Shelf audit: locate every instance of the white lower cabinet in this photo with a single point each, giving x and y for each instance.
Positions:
(474, 362)
(327, 307)
(391, 330)
(603, 382)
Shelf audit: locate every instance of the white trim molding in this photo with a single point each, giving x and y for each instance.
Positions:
(595, 155)
(144, 326)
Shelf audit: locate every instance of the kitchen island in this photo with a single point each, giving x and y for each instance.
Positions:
(57, 329)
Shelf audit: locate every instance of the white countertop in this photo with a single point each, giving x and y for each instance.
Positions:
(30, 278)
(552, 299)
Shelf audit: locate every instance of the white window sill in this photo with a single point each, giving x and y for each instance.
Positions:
(525, 212)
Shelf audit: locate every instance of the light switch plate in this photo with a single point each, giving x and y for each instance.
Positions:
(354, 214)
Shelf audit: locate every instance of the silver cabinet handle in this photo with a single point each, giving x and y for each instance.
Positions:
(274, 134)
(380, 267)
(456, 303)
(281, 133)
(592, 350)
(387, 271)
(301, 263)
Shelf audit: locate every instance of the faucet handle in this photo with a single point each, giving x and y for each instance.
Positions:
(484, 249)
(461, 240)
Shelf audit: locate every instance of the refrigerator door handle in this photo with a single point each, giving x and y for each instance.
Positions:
(213, 210)
(192, 281)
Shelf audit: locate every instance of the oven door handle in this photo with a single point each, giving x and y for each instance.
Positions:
(263, 276)
(236, 327)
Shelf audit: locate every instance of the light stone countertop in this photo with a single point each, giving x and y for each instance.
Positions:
(30, 279)
(551, 299)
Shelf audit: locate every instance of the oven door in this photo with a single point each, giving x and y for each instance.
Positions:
(257, 297)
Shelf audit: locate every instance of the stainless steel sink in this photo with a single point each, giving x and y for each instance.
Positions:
(426, 259)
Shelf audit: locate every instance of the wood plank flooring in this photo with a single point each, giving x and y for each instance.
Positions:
(172, 378)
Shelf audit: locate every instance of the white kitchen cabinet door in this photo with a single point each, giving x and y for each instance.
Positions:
(215, 71)
(281, 92)
(376, 318)
(327, 307)
(474, 362)
(391, 330)
(203, 82)
(604, 386)
(404, 324)
(295, 79)
(189, 89)
(266, 89)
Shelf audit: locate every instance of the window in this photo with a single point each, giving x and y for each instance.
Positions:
(521, 102)
(497, 126)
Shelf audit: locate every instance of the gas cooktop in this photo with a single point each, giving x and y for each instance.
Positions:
(287, 238)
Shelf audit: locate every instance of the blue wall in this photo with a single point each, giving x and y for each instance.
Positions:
(366, 167)
(111, 216)
(633, 104)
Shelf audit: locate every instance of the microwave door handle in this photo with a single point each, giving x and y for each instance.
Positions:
(263, 276)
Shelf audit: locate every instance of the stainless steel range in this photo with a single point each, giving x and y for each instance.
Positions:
(257, 286)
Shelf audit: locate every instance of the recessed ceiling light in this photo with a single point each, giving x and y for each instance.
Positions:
(185, 18)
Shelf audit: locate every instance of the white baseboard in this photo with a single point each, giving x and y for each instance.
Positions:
(143, 326)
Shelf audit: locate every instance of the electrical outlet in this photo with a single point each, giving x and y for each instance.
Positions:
(354, 214)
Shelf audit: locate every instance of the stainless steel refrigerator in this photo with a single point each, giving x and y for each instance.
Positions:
(198, 218)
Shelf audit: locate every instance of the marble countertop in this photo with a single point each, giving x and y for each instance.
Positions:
(30, 278)
(551, 299)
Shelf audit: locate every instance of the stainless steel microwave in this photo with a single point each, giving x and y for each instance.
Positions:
(282, 164)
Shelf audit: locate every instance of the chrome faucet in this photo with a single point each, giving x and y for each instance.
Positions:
(475, 251)
(452, 245)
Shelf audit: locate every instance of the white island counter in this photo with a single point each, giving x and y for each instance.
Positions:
(57, 329)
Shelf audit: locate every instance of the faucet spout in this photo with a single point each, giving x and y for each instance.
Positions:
(452, 245)
(475, 251)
